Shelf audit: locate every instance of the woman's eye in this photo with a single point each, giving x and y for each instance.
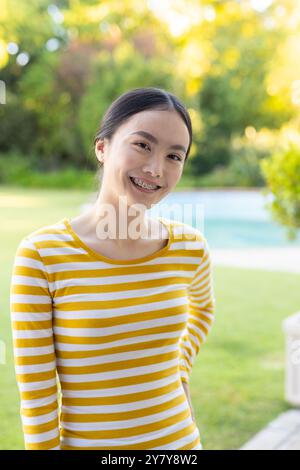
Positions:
(142, 143)
(174, 156)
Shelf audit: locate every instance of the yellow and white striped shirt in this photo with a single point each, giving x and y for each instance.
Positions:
(101, 346)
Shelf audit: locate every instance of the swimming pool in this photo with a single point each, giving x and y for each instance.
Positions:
(228, 218)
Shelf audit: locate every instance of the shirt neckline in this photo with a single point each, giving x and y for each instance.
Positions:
(99, 256)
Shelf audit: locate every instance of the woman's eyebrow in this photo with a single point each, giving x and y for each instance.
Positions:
(155, 141)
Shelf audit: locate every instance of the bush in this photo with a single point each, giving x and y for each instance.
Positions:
(21, 170)
(245, 168)
(282, 173)
(13, 166)
(243, 171)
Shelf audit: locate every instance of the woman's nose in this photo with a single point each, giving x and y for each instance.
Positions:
(154, 167)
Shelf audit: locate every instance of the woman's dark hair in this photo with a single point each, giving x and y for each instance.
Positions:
(135, 101)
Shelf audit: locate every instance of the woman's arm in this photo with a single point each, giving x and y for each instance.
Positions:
(33, 348)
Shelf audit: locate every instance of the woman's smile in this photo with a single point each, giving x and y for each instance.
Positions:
(142, 189)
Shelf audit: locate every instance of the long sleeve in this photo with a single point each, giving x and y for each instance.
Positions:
(201, 307)
(33, 349)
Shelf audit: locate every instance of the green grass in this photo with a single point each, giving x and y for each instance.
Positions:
(237, 379)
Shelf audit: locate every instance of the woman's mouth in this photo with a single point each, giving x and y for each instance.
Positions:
(134, 182)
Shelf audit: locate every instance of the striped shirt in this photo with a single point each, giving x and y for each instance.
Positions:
(101, 346)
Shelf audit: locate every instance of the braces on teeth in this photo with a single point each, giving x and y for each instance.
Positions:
(143, 185)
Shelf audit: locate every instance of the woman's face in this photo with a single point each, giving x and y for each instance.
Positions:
(157, 155)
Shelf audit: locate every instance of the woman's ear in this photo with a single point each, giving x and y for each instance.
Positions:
(99, 150)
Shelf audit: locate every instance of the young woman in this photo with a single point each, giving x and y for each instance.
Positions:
(116, 321)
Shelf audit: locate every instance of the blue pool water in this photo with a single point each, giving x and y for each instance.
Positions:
(227, 218)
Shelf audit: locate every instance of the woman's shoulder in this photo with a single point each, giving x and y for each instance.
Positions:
(54, 231)
(184, 231)
(191, 239)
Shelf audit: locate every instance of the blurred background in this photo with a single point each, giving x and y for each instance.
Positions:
(235, 64)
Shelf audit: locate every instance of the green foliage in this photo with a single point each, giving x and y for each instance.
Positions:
(213, 150)
(18, 127)
(67, 178)
(19, 170)
(110, 77)
(41, 94)
(245, 167)
(242, 171)
(233, 93)
(282, 173)
(13, 166)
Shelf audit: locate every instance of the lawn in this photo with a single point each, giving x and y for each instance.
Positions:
(238, 376)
